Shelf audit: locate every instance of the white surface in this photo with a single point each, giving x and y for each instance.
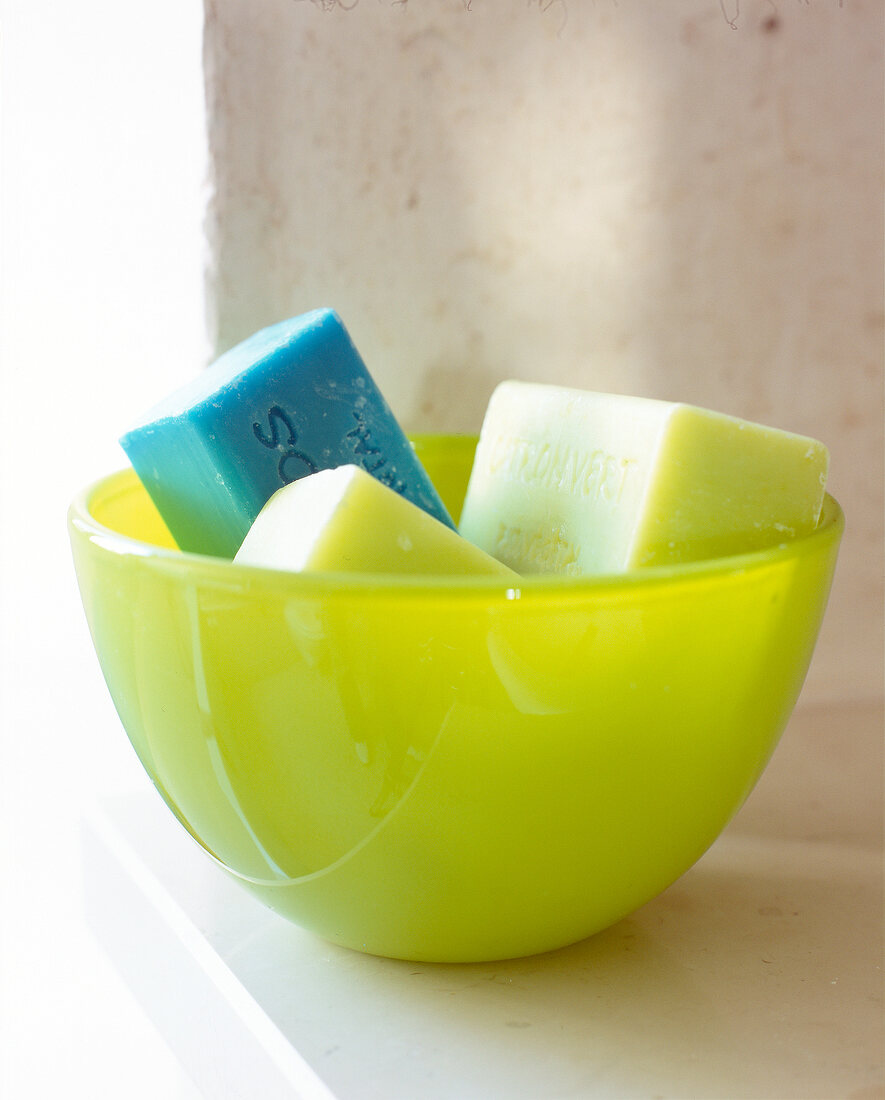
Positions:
(678, 199)
(103, 157)
(757, 975)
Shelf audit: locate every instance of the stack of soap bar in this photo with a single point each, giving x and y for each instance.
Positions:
(289, 401)
(346, 520)
(574, 482)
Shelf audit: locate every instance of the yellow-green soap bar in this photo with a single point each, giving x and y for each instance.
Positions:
(345, 520)
(570, 481)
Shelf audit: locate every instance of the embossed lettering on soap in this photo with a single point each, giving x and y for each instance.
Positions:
(594, 475)
(371, 456)
(293, 463)
(550, 551)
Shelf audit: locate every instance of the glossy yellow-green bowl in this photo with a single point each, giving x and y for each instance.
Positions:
(447, 768)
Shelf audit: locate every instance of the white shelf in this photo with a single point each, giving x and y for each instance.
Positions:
(758, 974)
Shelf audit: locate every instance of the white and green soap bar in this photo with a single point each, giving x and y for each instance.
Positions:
(346, 520)
(575, 482)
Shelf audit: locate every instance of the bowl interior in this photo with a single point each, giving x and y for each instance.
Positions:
(118, 505)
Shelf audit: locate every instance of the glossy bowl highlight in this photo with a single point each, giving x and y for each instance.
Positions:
(447, 768)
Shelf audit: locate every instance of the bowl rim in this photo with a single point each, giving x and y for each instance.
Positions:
(232, 575)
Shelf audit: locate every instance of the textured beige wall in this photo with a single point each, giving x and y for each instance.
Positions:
(681, 200)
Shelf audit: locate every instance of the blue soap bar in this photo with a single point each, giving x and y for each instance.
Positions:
(293, 399)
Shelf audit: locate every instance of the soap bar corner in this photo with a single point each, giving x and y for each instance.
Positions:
(288, 401)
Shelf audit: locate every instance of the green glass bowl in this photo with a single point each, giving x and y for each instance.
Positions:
(447, 768)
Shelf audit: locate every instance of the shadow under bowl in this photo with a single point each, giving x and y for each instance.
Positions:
(447, 769)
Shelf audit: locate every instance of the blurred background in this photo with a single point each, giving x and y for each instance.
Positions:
(679, 200)
(103, 169)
